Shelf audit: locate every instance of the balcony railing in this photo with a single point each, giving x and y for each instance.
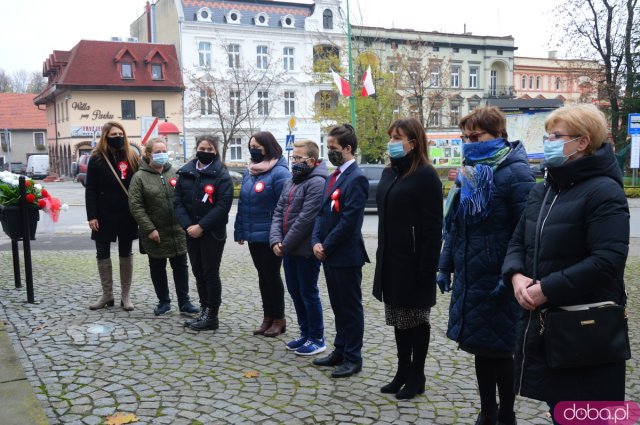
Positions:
(500, 92)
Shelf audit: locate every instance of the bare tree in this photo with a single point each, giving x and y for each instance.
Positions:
(37, 83)
(20, 81)
(605, 30)
(5, 82)
(236, 97)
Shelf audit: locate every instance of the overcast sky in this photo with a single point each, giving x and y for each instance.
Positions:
(32, 30)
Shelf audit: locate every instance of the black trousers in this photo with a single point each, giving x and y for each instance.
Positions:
(345, 295)
(103, 249)
(158, 269)
(271, 287)
(205, 254)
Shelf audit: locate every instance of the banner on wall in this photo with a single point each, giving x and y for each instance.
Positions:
(445, 149)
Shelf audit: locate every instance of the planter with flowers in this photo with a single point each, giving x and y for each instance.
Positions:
(37, 199)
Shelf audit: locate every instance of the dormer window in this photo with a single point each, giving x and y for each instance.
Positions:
(261, 19)
(288, 21)
(203, 15)
(233, 17)
(156, 71)
(327, 19)
(126, 70)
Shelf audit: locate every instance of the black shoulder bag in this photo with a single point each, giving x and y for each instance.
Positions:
(585, 334)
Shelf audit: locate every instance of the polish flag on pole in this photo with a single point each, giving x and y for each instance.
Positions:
(343, 85)
(368, 88)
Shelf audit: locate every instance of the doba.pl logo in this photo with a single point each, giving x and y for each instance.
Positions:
(596, 412)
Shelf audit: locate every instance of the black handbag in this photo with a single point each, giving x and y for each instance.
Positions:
(585, 335)
(582, 335)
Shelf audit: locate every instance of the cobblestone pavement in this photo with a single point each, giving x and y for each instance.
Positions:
(86, 364)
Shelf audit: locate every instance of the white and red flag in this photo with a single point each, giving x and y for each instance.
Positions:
(368, 89)
(343, 85)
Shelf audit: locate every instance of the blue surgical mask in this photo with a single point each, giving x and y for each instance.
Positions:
(160, 158)
(395, 149)
(554, 152)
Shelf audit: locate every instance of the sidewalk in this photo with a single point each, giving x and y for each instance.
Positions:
(84, 365)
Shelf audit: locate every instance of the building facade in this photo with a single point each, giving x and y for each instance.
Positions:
(569, 80)
(248, 65)
(23, 130)
(100, 81)
(443, 76)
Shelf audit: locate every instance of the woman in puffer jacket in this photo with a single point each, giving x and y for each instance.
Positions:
(481, 212)
(262, 184)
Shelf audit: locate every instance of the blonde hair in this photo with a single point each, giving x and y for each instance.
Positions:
(581, 120)
(310, 146)
(148, 147)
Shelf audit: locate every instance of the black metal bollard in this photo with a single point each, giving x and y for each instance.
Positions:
(26, 239)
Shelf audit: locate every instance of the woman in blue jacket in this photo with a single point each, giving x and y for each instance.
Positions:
(481, 213)
(262, 184)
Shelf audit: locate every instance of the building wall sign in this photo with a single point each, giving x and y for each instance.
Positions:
(85, 130)
(81, 106)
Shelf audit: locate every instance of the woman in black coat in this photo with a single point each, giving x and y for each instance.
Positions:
(582, 250)
(112, 165)
(202, 199)
(409, 200)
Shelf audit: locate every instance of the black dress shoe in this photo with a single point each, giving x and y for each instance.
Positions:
(346, 369)
(332, 359)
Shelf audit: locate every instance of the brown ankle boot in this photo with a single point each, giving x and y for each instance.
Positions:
(266, 324)
(278, 327)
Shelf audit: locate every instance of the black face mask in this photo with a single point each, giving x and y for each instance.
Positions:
(116, 142)
(336, 158)
(206, 157)
(256, 155)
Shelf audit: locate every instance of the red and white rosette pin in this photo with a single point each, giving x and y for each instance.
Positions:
(173, 181)
(208, 193)
(123, 167)
(335, 200)
(259, 187)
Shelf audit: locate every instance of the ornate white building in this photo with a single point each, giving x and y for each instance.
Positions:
(247, 64)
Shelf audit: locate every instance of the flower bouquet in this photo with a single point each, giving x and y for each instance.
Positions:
(37, 197)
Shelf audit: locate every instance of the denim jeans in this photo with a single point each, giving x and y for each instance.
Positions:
(301, 275)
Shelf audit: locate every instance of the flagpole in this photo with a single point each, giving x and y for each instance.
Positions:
(352, 97)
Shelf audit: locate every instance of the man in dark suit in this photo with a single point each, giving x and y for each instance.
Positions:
(337, 242)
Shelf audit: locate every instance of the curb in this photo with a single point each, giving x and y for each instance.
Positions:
(18, 402)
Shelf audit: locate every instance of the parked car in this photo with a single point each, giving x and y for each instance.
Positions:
(82, 163)
(18, 168)
(372, 172)
(38, 166)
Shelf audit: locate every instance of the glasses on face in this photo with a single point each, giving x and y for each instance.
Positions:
(555, 136)
(299, 158)
(473, 137)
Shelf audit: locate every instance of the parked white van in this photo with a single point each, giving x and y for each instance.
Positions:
(38, 166)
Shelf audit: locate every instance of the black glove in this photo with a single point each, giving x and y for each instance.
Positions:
(444, 281)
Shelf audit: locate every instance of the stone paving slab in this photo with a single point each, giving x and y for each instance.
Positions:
(84, 365)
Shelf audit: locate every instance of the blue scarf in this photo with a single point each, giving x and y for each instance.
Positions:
(473, 187)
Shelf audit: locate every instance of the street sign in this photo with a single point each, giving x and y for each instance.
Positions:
(149, 128)
(292, 123)
(290, 140)
(634, 161)
(634, 124)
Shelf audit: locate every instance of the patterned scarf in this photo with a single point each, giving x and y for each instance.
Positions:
(473, 188)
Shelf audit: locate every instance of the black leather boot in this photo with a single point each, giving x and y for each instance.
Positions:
(207, 323)
(203, 313)
(403, 345)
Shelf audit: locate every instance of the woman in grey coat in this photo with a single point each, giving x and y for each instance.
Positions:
(290, 237)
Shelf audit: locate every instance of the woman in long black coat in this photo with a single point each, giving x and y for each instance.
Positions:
(409, 199)
(108, 213)
(583, 247)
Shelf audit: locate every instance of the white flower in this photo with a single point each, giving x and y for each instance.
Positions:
(64, 207)
(38, 186)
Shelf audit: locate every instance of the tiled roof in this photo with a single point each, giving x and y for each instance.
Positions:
(18, 112)
(249, 9)
(97, 64)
